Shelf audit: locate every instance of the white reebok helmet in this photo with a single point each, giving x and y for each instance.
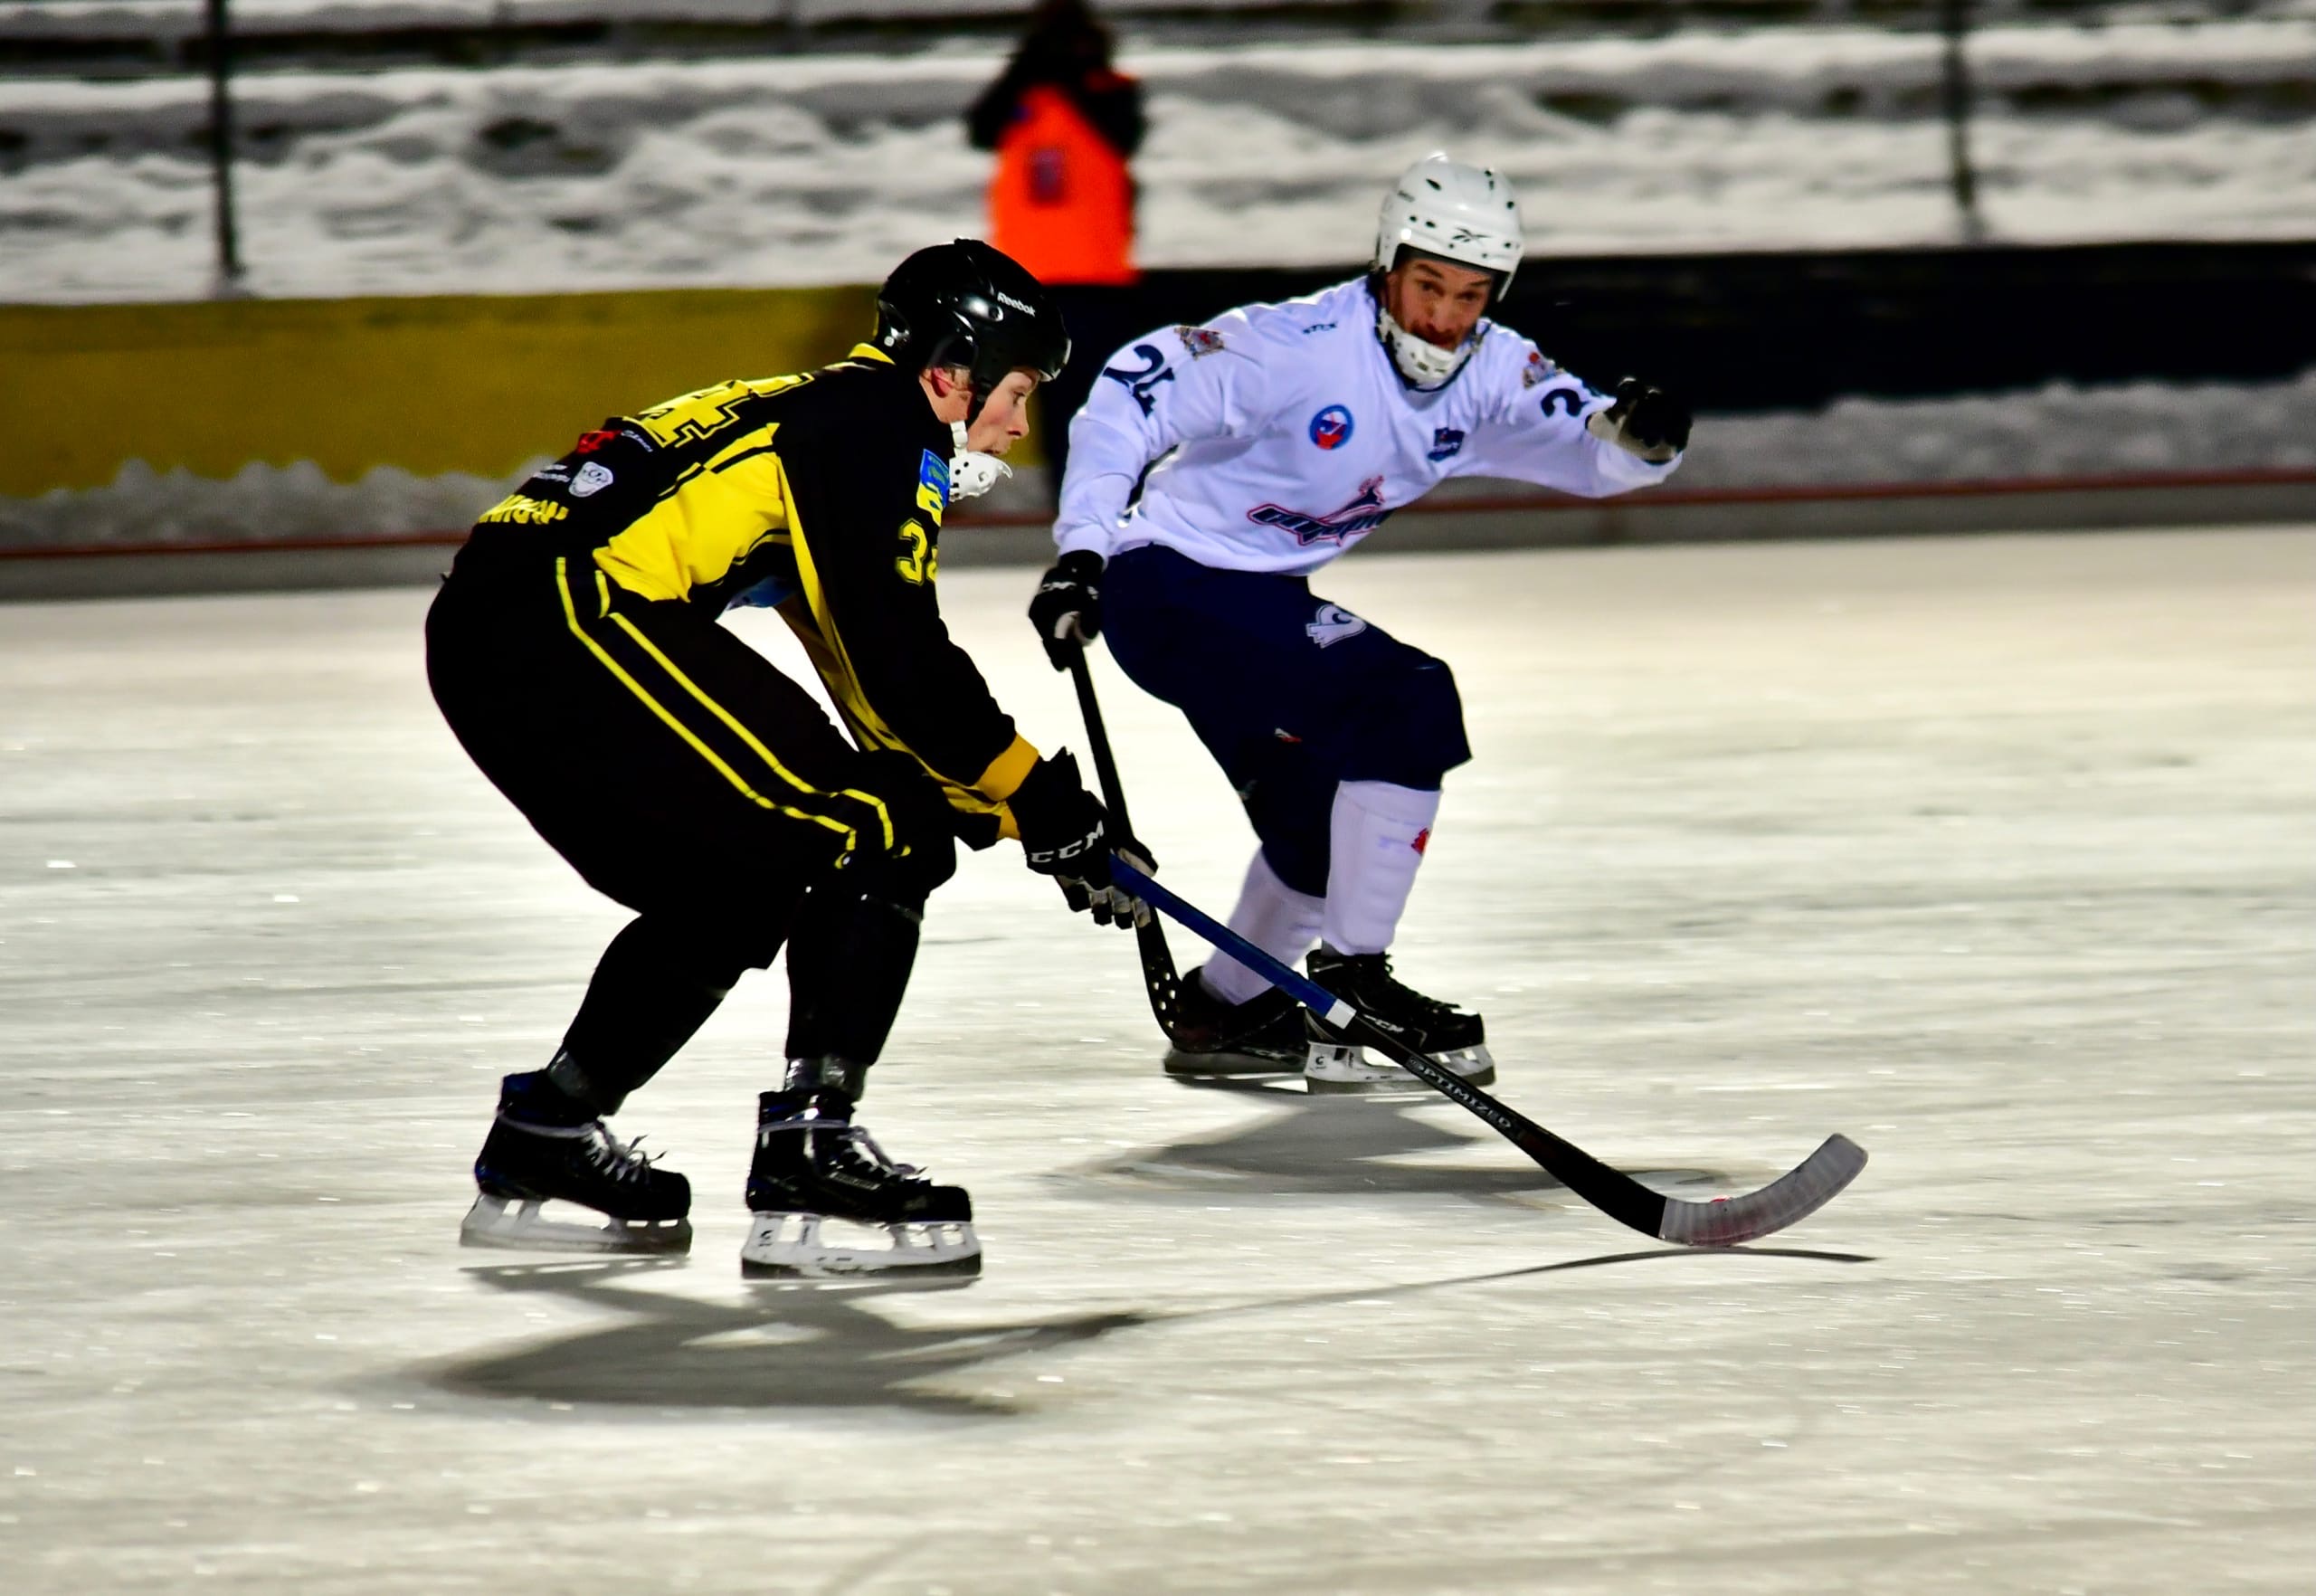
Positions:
(1459, 212)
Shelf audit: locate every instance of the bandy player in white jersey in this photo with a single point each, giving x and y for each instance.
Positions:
(1264, 444)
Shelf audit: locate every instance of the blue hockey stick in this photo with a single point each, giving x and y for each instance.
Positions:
(1724, 1221)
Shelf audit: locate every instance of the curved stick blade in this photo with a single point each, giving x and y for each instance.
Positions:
(1793, 1196)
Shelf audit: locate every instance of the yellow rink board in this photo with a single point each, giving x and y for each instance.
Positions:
(454, 384)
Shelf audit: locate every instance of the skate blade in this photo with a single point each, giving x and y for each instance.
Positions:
(790, 1247)
(1185, 1066)
(516, 1223)
(1332, 1067)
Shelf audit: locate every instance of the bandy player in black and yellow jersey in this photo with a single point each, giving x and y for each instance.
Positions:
(575, 650)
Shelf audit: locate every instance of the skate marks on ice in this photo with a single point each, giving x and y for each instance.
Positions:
(1385, 1142)
(786, 1346)
(820, 1347)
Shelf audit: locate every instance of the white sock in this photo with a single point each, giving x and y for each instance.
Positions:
(1275, 918)
(1376, 836)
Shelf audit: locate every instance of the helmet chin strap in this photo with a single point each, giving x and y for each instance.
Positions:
(972, 473)
(1421, 364)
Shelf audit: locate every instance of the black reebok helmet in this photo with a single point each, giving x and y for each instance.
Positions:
(967, 304)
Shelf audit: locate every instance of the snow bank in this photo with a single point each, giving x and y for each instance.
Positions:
(823, 169)
(143, 505)
(2059, 431)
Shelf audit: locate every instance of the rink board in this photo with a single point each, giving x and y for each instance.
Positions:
(2212, 498)
(477, 383)
(1993, 854)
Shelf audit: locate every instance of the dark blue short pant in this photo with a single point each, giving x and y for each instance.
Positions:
(1291, 693)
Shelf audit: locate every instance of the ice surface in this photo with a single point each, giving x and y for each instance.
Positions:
(1994, 853)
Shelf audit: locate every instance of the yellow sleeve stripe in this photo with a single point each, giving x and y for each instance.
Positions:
(884, 816)
(1008, 771)
(571, 618)
(715, 709)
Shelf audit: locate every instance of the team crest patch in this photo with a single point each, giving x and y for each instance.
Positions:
(1200, 341)
(1447, 443)
(1332, 427)
(1332, 624)
(1537, 369)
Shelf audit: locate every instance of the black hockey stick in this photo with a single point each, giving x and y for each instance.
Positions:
(1158, 974)
(1724, 1221)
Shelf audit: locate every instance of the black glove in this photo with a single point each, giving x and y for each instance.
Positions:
(1065, 834)
(1068, 610)
(1651, 417)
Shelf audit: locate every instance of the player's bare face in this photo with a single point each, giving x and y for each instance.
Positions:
(1005, 417)
(1438, 303)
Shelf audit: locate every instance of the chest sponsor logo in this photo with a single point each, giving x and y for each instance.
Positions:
(1332, 427)
(1364, 513)
(524, 511)
(1318, 327)
(1446, 443)
(590, 479)
(1200, 341)
(1332, 624)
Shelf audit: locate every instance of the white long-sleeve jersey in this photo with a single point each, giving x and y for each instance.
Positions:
(1284, 436)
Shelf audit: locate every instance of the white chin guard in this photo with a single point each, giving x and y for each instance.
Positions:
(972, 473)
(1420, 365)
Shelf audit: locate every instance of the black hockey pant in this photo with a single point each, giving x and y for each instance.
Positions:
(684, 776)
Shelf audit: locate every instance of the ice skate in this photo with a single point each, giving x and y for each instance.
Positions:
(1454, 1040)
(1210, 1036)
(827, 1201)
(544, 1149)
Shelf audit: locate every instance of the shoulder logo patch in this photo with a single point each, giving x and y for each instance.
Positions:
(1537, 369)
(1332, 427)
(933, 485)
(592, 478)
(1200, 341)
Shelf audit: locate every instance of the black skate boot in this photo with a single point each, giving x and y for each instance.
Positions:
(1210, 1036)
(814, 1167)
(1454, 1039)
(549, 1147)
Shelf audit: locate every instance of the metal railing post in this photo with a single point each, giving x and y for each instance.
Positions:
(1954, 21)
(221, 148)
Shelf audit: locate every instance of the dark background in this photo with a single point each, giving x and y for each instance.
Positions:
(1741, 332)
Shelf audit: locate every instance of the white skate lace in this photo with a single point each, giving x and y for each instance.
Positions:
(623, 1161)
(856, 1134)
(860, 1135)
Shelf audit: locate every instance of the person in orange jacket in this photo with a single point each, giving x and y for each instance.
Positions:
(1063, 123)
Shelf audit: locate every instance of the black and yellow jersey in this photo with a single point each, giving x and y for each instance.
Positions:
(821, 494)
